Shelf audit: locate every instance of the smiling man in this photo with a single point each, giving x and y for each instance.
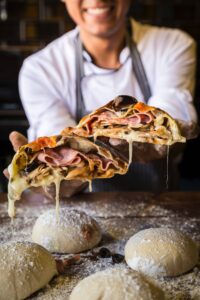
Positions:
(104, 56)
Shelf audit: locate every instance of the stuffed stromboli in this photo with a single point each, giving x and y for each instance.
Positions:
(53, 159)
(124, 118)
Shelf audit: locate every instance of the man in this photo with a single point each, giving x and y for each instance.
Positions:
(99, 60)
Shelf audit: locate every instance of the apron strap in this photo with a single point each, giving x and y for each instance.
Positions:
(80, 107)
(137, 65)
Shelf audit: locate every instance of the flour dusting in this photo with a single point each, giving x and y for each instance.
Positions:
(119, 220)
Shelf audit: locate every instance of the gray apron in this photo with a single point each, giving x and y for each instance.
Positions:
(155, 176)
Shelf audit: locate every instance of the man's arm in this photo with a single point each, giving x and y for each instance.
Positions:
(173, 90)
(175, 76)
(41, 93)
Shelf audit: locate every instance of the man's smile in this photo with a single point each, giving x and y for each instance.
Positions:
(101, 10)
(98, 11)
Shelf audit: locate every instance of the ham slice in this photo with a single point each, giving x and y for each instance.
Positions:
(60, 157)
(105, 163)
(134, 120)
(109, 118)
(96, 118)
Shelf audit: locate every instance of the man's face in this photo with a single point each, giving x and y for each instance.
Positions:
(98, 17)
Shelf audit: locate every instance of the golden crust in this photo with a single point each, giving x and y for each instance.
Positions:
(89, 126)
(68, 131)
(42, 142)
(22, 158)
(142, 107)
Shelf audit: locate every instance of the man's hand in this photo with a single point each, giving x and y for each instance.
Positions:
(190, 130)
(67, 188)
(146, 152)
(17, 140)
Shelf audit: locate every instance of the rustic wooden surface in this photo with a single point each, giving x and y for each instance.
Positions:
(183, 203)
(120, 215)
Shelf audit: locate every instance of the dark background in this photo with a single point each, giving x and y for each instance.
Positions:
(28, 25)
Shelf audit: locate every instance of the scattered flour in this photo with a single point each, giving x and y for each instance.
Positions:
(119, 222)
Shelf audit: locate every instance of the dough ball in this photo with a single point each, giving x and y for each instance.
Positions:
(72, 232)
(24, 268)
(116, 284)
(161, 252)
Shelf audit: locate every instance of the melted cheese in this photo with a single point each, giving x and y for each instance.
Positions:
(90, 185)
(130, 142)
(11, 208)
(16, 186)
(167, 177)
(57, 186)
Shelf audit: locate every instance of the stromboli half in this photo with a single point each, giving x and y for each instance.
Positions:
(48, 159)
(126, 118)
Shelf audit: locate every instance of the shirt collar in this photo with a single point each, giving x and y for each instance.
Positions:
(124, 55)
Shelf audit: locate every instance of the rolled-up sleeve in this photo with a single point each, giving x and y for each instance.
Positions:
(40, 93)
(175, 76)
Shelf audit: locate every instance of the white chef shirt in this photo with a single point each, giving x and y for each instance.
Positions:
(47, 80)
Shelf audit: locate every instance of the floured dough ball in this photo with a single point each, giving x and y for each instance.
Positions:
(116, 284)
(71, 232)
(161, 252)
(24, 268)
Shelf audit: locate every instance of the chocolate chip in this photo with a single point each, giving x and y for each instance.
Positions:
(104, 253)
(117, 258)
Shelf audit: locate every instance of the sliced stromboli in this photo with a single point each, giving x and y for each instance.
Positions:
(125, 118)
(53, 159)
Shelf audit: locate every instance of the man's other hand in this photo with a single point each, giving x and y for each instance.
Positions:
(17, 140)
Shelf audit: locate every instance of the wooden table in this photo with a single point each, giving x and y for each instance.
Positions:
(182, 203)
(120, 216)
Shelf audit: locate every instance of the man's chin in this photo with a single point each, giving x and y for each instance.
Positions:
(101, 31)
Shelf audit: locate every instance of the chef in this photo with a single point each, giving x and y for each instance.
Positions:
(106, 55)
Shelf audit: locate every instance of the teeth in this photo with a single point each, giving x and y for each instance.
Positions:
(98, 11)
